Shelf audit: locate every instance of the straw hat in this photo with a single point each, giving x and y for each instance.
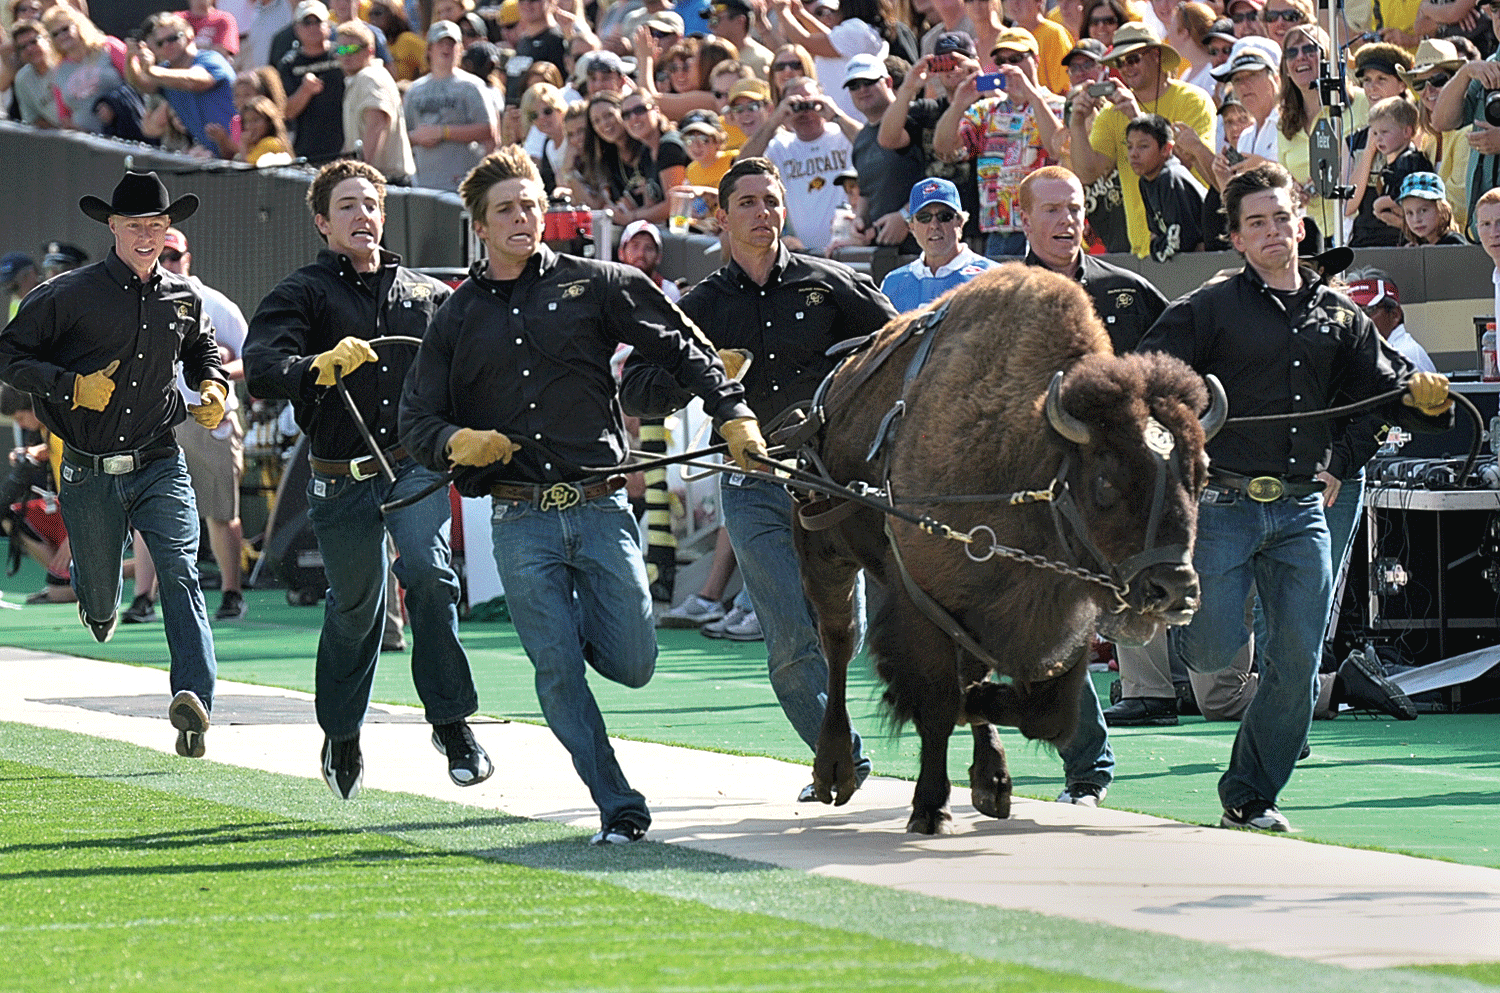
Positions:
(1434, 55)
(1137, 37)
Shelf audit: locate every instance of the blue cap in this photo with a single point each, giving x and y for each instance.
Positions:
(1427, 185)
(12, 264)
(932, 190)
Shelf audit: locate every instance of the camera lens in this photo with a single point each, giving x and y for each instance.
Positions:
(1492, 108)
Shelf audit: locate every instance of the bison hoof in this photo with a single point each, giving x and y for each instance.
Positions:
(991, 802)
(937, 821)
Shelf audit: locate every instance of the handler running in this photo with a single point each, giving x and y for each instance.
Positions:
(522, 351)
(1281, 341)
(121, 326)
(318, 320)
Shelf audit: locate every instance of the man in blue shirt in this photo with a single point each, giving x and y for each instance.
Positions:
(937, 220)
(198, 85)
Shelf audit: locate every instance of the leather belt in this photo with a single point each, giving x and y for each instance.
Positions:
(1265, 489)
(117, 463)
(358, 468)
(556, 496)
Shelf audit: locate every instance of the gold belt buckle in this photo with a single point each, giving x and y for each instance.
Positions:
(1265, 489)
(561, 496)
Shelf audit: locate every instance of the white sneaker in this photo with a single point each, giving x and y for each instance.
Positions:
(693, 612)
(715, 629)
(747, 628)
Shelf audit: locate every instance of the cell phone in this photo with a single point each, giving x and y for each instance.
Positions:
(989, 82)
(1234, 156)
(1103, 88)
(946, 62)
(803, 106)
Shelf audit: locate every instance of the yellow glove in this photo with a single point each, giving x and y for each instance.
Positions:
(735, 361)
(347, 355)
(471, 447)
(211, 411)
(743, 435)
(94, 390)
(1428, 392)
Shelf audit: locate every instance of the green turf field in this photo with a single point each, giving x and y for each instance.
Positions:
(127, 869)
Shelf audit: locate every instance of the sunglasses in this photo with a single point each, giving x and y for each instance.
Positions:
(747, 107)
(348, 49)
(161, 42)
(1013, 59)
(1108, 19)
(1218, 50)
(659, 35)
(721, 95)
(310, 21)
(698, 137)
(168, 255)
(1293, 16)
(786, 66)
(1298, 50)
(1245, 17)
(639, 110)
(855, 85)
(939, 216)
(68, 29)
(601, 73)
(1133, 59)
(1440, 81)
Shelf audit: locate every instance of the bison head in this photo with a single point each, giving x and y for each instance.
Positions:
(1133, 473)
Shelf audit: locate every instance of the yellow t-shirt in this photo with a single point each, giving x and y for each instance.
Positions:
(1399, 13)
(269, 145)
(1054, 42)
(699, 174)
(1179, 102)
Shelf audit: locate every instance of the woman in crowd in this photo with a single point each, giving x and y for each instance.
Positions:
(542, 108)
(1436, 62)
(609, 152)
(1280, 16)
(1102, 18)
(835, 41)
(1303, 48)
(1186, 31)
(407, 48)
(573, 178)
(790, 62)
(262, 132)
(264, 81)
(689, 65)
(661, 164)
(88, 68)
(1069, 13)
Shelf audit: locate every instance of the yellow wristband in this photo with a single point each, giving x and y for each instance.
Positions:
(445, 132)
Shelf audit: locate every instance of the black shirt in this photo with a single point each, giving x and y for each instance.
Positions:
(1125, 301)
(1174, 210)
(535, 365)
(312, 310)
(806, 305)
(80, 322)
(886, 177)
(1324, 353)
(921, 124)
(319, 129)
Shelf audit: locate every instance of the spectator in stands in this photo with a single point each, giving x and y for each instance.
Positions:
(1301, 104)
(215, 457)
(1380, 298)
(1245, 16)
(886, 176)
(262, 82)
(407, 48)
(507, 22)
(609, 153)
(344, 11)
(87, 68)
(1104, 18)
(1172, 197)
(1388, 158)
(1424, 214)
(1187, 32)
(1004, 136)
(268, 21)
(314, 86)
(704, 135)
(373, 122)
(448, 119)
(472, 29)
(790, 62)
(198, 86)
(578, 178)
(601, 71)
(214, 30)
(540, 39)
(61, 257)
(749, 105)
(730, 20)
(660, 165)
(809, 155)
(1254, 70)
(542, 108)
(452, 10)
(690, 65)
(1053, 42)
(1462, 103)
(33, 83)
(723, 79)
(937, 220)
(1436, 62)
(1145, 65)
(640, 246)
(18, 277)
(1280, 16)
(484, 62)
(833, 46)
(32, 517)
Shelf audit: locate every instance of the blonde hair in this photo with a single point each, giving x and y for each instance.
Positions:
(1398, 110)
(506, 162)
(88, 32)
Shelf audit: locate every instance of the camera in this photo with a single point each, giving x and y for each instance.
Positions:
(1492, 108)
(1104, 88)
(989, 82)
(1233, 156)
(803, 106)
(23, 473)
(946, 62)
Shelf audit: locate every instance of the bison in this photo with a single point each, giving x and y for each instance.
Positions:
(1120, 439)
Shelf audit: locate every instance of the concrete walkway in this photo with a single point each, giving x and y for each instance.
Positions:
(1239, 889)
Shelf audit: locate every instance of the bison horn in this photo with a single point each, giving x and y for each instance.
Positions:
(1063, 422)
(1218, 407)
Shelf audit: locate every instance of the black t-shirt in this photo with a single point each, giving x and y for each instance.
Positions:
(886, 177)
(320, 127)
(642, 183)
(1174, 211)
(549, 46)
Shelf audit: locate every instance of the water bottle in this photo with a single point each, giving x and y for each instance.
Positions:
(1491, 371)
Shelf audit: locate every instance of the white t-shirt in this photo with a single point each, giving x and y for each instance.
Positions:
(1260, 138)
(229, 330)
(1402, 341)
(849, 38)
(808, 170)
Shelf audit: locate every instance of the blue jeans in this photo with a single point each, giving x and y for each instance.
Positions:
(1002, 245)
(345, 515)
(99, 511)
(575, 583)
(1282, 548)
(1087, 757)
(759, 518)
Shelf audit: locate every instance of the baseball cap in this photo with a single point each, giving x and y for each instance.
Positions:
(1252, 52)
(1015, 40)
(311, 8)
(700, 121)
(954, 41)
(175, 240)
(60, 253)
(845, 176)
(666, 22)
(1427, 185)
(755, 89)
(1089, 48)
(865, 67)
(509, 13)
(932, 190)
(636, 227)
(1222, 29)
(725, 7)
(474, 23)
(12, 264)
(443, 29)
(1369, 292)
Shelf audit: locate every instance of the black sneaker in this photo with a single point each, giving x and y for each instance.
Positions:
(232, 607)
(468, 764)
(102, 630)
(140, 611)
(1142, 711)
(1361, 682)
(343, 767)
(618, 834)
(190, 718)
(1083, 794)
(1257, 815)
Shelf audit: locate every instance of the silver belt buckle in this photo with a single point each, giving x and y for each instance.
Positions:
(360, 476)
(118, 465)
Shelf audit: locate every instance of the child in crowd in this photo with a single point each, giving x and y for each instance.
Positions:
(1173, 198)
(1426, 217)
(703, 133)
(1234, 119)
(1388, 158)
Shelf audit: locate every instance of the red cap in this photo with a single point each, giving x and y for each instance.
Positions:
(1369, 292)
(174, 240)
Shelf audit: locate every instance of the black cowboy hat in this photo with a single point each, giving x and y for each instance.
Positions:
(140, 194)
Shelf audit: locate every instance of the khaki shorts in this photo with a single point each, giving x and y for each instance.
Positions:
(215, 466)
